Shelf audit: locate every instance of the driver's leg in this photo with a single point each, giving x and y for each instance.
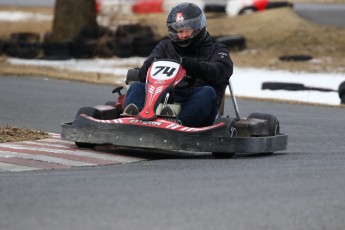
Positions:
(136, 95)
(199, 107)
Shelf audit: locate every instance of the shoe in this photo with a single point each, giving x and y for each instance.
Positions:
(131, 110)
(168, 111)
(170, 115)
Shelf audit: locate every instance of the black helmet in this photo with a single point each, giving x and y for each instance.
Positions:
(186, 16)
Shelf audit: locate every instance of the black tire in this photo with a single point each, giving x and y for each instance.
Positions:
(1, 46)
(91, 33)
(25, 37)
(83, 50)
(57, 50)
(272, 5)
(134, 31)
(273, 123)
(89, 111)
(341, 90)
(247, 10)
(342, 99)
(283, 86)
(25, 50)
(144, 47)
(124, 48)
(296, 57)
(232, 42)
(47, 37)
(214, 8)
(233, 134)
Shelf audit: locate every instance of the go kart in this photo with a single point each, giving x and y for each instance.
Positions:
(151, 129)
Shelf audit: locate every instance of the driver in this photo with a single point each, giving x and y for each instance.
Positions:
(207, 63)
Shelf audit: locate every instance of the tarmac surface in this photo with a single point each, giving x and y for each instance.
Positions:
(300, 188)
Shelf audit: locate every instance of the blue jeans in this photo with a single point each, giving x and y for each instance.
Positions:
(198, 104)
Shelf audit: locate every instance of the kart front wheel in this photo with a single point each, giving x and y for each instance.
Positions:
(233, 134)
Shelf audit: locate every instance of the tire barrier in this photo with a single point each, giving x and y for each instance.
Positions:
(341, 92)
(134, 31)
(56, 50)
(292, 87)
(273, 5)
(232, 42)
(282, 86)
(126, 41)
(144, 47)
(24, 50)
(215, 8)
(296, 57)
(124, 48)
(25, 37)
(23, 45)
(90, 42)
(1, 46)
(84, 50)
(134, 40)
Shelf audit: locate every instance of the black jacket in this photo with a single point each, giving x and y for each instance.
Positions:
(209, 63)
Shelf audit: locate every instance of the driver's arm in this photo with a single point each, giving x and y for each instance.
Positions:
(216, 71)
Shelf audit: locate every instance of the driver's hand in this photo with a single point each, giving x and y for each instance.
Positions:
(190, 65)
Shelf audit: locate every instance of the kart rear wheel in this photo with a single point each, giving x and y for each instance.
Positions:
(273, 123)
(233, 134)
(89, 111)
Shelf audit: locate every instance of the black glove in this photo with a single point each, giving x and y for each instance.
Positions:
(190, 65)
(188, 81)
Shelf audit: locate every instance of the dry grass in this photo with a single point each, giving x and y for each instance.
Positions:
(10, 134)
(277, 32)
(269, 34)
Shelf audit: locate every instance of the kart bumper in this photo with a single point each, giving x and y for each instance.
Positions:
(194, 142)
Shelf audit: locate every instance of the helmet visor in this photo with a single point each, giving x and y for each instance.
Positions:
(181, 29)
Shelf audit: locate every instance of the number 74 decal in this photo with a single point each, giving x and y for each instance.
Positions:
(166, 70)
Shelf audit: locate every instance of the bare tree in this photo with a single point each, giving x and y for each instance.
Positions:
(70, 16)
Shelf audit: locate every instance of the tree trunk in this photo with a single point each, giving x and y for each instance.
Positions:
(70, 16)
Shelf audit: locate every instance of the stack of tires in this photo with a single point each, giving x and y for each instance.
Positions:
(341, 92)
(232, 42)
(134, 40)
(82, 47)
(90, 42)
(22, 45)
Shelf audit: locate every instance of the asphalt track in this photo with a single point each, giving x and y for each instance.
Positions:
(301, 188)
